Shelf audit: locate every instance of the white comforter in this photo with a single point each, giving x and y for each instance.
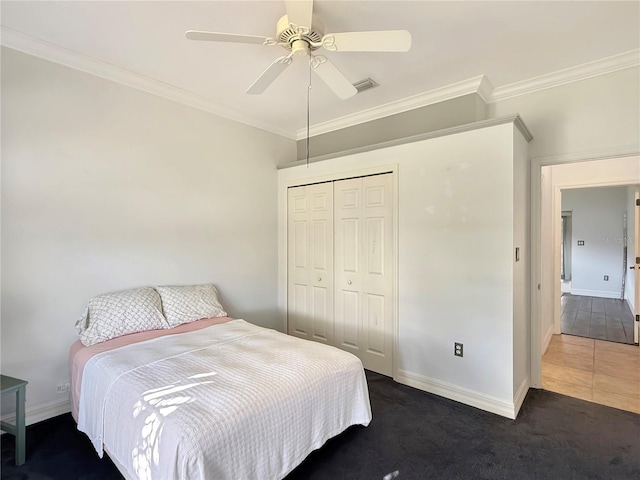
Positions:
(231, 401)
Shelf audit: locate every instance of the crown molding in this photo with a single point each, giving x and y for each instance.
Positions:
(588, 156)
(48, 51)
(485, 89)
(472, 85)
(568, 75)
(479, 85)
(482, 86)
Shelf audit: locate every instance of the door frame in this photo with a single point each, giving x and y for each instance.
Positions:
(300, 175)
(544, 296)
(567, 230)
(636, 271)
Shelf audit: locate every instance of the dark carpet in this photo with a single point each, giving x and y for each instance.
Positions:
(418, 435)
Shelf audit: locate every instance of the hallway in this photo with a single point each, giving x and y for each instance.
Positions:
(599, 318)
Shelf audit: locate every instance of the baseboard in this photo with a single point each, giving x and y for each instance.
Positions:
(459, 394)
(547, 339)
(38, 413)
(520, 395)
(631, 306)
(595, 293)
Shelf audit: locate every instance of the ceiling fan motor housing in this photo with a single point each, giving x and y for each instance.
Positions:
(291, 35)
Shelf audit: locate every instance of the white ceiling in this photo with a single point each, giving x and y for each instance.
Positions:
(452, 41)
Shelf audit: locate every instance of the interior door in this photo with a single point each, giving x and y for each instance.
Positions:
(310, 262)
(636, 243)
(363, 217)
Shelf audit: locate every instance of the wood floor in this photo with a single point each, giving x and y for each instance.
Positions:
(600, 318)
(602, 372)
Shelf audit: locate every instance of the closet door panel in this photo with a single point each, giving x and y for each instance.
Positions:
(321, 261)
(320, 247)
(349, 238)
(322, 329)
(299, 245)
(374, 313)
(310, 262)
(347, 221)
(350, 194)
(298, 310)
(375, 245)
(363, 216)
(348, 329)
(297, 259)
(377, 281)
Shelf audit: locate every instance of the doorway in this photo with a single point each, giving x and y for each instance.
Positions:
(594, 260)
(591, 369)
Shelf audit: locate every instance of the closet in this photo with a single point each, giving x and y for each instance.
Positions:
(340, 266)
(458, 204)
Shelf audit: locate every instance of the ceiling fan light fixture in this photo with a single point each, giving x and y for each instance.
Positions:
(299, 47)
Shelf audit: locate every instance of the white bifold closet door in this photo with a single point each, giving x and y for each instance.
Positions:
(340, 267)
(310, 260)
(363, 262)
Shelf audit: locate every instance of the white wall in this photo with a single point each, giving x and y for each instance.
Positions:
(630, 287)
(597, 219)
(437, 116)
(105, 188)
(521, 270)
(599, 114)
(455, 259)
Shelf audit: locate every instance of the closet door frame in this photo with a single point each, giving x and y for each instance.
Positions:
(316, 174)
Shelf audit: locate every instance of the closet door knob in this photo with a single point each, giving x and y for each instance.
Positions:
(319, 279)
(349, 282)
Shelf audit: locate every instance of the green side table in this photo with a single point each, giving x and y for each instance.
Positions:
(19, 387)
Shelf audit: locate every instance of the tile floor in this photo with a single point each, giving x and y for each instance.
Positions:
(602, 372)
(593, 317)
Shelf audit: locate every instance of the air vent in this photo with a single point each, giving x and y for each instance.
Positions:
(365, 84)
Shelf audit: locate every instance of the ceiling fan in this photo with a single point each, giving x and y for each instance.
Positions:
(302, 33)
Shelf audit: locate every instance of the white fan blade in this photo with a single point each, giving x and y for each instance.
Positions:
(334, 79)
(269, 75)
(299, 12)
(380, 41)
(226, 37)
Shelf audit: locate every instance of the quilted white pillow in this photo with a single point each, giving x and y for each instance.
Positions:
(188, 303)
(115, 314)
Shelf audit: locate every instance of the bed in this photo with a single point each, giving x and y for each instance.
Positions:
(217, 398)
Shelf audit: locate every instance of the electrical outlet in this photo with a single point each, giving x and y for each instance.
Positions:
(457, 349)
(606, 278)
(62, 388)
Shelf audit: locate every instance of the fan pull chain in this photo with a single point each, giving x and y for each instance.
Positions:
(308, 96)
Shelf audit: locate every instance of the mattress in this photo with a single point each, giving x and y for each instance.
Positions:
(230, 400)
(80, 354)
